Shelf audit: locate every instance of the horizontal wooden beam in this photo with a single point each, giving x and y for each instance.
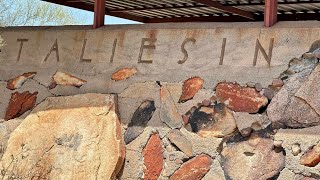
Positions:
(199, 19)
(90, 7)
(229, 9)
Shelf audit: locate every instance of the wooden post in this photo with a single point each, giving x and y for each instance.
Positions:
(270, 12)
(99, 13)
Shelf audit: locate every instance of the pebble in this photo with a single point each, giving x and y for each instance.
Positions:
(258, 87)
(219, 107)
(178, 161)
(206, 102)
(277, 83)
(269, 93)
(251, 84)
(296, 149)
(277, 143)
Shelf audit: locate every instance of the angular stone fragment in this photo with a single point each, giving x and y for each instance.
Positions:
(169, 112)
(139, 120)
(254, 159)
(247, 122)
(20, 103)
(194, 169)
(178, 139)
(312, 157)
(18, 81)
(190, 87)
(240, 99)
(123, 74)
(65, 79)
(153, 157)
(74, 137)
(223, 124)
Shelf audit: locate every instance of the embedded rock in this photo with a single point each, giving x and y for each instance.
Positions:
(178, 139)
(20, 103)
(65, 79)
(169, 112)
(297, 105)
(312, 157)
(153, 157)
(74, 137)
(139, 120)
(240, 99)
(194, 169)
(190, 88)
(253, 159)
(123, 74)
(18, 81)
(247, 122)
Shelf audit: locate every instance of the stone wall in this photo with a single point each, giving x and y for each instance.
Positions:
(168, 101)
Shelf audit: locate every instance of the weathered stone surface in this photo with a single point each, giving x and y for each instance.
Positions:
(286, 174)
(84, 140)
(277, 82)
(312, 157)
(178, 139)
(306, 138)
(5, 98)
(18, 81)
(240, 99)
(296, 104)
(247, 122)
(296, 149)
(195, 168)
(317, 53)
(65, 79)
(20, 103)
(223, 124)
(252, 159)
(169, 112)
(6, 128)
(123, 73)
(139, 120)
(190, 88)
(153, 157)
(301, 177)
(216, 172)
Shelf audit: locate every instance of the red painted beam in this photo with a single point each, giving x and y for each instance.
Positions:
(99, 13)
(270, 12)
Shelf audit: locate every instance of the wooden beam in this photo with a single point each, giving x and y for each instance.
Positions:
(199, 19)
(270, 12)
(228, 9)
(99, 13)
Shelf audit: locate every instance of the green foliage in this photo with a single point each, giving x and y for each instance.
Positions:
(34, 13)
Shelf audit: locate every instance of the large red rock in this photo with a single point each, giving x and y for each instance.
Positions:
(123, 74)
(20, 103)
(312, 157)
(194, 169)
(153, 157)
(240, 99)
(190, 88)
(18, 81)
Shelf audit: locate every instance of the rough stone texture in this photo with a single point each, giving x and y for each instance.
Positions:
(240, 99)
(169, 112)
(139, 120)
(20, 103)
(286, 174)
(247, 122)
(216, 172)
(296, 104)
(18, 81)
(84, 140)
(190, 88)
(252, 159)
(123, 73)
(6, 128)
(224, 124)
(5, 98)
(311, 158)
(178, 139)
(306, 138)
(153, 157)
(195, 168)
(65, 79)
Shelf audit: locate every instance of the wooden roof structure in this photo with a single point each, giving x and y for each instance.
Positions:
(160, 11)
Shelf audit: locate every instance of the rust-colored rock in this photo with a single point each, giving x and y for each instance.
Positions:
(18, 81)
(65, 79)
(240, 99)
(20, 103)
(194, 169)
(123, 74)
(312, 157)
(190, 88)
(153, 157)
